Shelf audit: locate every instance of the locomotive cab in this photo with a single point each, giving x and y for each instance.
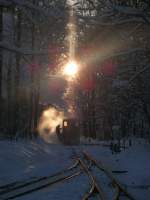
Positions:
(70, 134)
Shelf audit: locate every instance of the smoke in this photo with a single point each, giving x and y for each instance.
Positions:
(49, 119)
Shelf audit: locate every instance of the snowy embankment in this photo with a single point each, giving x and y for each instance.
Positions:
(134, 161)
(23, 160)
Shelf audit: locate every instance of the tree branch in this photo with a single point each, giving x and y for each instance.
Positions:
(53, 12)
(126, 53)
(139, 72)
(14, 49)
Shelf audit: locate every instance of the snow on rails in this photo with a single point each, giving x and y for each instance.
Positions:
(12, 191)
(98, 187)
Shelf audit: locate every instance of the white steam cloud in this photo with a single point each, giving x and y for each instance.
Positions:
(49, 119)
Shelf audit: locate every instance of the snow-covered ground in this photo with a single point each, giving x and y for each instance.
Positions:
(23, 160)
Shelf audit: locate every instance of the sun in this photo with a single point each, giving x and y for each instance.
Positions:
(71, 69)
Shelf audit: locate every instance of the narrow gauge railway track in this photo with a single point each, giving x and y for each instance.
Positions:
(95, 186)
(83, 163)
(12, 192)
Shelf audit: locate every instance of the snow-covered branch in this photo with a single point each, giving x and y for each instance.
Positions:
(117, 22)
(109, 17)
(53, 12)
(127, 10)
(29, 16)
(131, 11)
(23, 51)
(21, 3)
(126, 53)
(139, 73)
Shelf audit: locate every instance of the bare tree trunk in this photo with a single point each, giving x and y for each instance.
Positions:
(146, 112)
(1, 64)
(17, 76)
(32, 91)
(9, 97)
(37, 98)
(35, 86)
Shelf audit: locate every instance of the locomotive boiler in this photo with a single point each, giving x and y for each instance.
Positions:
(69, 132)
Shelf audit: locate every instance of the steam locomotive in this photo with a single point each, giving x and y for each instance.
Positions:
(69, 132)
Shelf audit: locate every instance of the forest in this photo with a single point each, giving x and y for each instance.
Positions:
(112, 46)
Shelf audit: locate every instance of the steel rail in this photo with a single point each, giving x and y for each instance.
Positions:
(10, 187)
(41, 183)
(119, 188)
(95, 187)
(34, 189)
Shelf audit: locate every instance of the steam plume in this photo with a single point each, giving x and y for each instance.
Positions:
(49, 119)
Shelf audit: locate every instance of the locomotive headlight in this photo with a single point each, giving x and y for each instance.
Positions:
(71, 69)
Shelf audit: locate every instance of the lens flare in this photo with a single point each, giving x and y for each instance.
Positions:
(71, 69)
